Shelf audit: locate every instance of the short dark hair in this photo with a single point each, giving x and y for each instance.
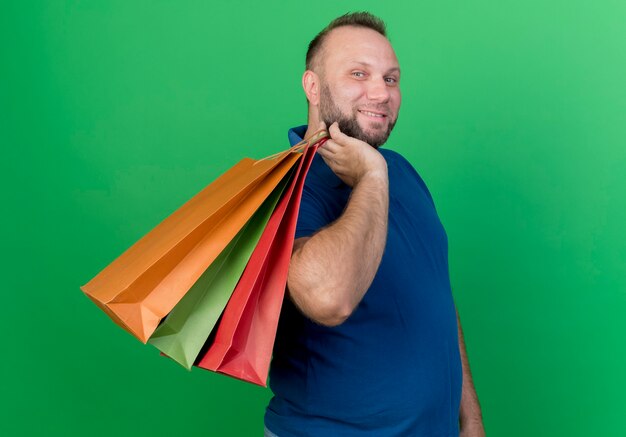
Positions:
(358, 19)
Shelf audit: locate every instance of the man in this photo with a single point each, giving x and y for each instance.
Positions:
(369, 341)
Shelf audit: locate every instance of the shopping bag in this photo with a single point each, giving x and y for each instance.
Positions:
(143, 284)
(244, 339)
(186, 328)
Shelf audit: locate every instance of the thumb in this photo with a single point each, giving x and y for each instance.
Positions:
(336, 133)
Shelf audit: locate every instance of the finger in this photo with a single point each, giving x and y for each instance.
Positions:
(321, 126)
(337, 135)
(327, 160)
(326, 156)
(330, 146)
(330, 149)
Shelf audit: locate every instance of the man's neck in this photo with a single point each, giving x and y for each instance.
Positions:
(309, 132)
(313, 123)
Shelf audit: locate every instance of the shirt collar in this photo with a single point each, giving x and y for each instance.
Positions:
(296, 134)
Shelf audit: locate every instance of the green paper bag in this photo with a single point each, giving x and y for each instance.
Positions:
(184, 331)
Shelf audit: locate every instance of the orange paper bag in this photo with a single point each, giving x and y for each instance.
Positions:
(143, 284)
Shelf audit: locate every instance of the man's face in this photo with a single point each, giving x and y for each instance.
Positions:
(359, 84)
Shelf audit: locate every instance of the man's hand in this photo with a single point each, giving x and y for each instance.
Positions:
(476, 430)
(351, 159)
(470, 416)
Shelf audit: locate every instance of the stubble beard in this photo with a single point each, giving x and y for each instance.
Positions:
(349, 125)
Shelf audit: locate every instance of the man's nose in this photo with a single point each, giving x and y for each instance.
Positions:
(378, 90)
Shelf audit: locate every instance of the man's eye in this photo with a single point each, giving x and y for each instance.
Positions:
(358, 74)
(391, 80)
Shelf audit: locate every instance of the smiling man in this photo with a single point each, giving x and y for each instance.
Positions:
(369, 342)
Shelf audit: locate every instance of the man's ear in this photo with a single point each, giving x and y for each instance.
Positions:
(311, 85)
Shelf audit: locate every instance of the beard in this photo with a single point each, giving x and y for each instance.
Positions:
(349, 125)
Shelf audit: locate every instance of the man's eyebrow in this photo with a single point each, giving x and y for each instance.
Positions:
(366, 64)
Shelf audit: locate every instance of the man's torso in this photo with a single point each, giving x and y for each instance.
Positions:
(393, 367)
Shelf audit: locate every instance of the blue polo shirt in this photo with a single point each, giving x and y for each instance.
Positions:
(393, 367)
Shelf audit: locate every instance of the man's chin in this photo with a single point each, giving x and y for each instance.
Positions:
(375, 136)
(373, 139)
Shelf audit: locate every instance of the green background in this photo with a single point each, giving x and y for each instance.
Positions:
(112, 114)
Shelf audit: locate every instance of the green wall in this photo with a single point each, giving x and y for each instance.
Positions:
(113, 113)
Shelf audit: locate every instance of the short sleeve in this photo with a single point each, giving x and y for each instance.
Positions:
(313, 214)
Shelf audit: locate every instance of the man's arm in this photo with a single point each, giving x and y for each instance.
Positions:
(471, 419)
(331, 271)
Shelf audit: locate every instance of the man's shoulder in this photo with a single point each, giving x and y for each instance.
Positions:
(389, 152)
(396, 158)
(392, 154)
(404, 169)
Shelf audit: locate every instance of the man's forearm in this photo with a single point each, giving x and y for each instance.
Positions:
(331, 271)
(470, 415)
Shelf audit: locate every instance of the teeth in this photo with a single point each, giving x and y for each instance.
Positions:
(371, 114)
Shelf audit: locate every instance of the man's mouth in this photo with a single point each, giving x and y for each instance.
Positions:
(373, 114)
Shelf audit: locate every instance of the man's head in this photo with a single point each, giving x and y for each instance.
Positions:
(352, 77)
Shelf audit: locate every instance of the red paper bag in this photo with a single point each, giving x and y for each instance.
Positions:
(244, 340)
